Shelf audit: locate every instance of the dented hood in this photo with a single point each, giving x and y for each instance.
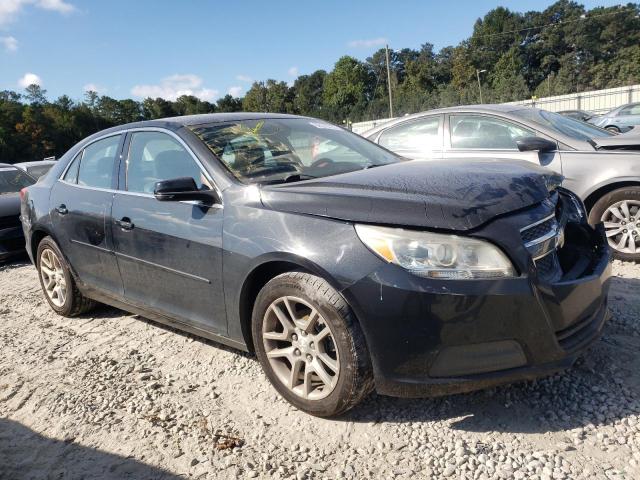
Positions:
(449, 194)
(625, 141)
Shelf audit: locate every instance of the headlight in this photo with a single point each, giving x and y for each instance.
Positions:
(436, 255)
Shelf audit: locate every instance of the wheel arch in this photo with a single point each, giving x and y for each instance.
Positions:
(264, 270)
(600, 191)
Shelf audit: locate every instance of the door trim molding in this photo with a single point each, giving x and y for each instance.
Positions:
(162, 267)
(102, 249)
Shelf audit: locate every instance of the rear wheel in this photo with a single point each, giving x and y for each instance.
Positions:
(613, 129)
(619, 211)
(309, 344)
(56, 281)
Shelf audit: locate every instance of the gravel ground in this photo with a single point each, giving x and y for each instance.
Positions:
(110, 395)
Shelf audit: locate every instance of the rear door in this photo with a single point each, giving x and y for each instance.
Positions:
(472, 135)
(629, 116)
(81, 213)
(418, 139)
(169, 253)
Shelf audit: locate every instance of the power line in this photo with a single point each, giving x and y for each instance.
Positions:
(583, 17)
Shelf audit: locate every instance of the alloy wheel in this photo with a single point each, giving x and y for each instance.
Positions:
(55, 285)
(622, 225)
(300, 347)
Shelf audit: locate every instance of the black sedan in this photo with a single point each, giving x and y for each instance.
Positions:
(12, 180)
(342, 266)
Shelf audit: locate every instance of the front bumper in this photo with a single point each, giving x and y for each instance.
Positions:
(11, 242)
(433, 337)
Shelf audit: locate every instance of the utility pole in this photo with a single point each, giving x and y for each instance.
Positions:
(389, 82)
(478, 72)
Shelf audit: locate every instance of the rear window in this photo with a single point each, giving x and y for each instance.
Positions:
(13, 180)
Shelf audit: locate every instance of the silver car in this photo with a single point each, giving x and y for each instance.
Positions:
(599, 166)
(619, 120)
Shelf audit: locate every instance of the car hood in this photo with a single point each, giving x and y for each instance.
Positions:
(9, 204)
(624, 141)
(450, 194)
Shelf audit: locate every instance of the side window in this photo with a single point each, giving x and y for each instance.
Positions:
(156, 156)
(418, 137)
(631, 110)
(71, 176)
(98, 159)
(479, 131)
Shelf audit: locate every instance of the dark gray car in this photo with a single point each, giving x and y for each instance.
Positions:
(603, 169)
(344, 267)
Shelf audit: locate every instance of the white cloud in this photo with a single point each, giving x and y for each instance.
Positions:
(293, 72)
(9, 43)
(367, 43)
(175, 86)
(235, 91)
(29, 79)
(244, 78)
(92, 87)
(9, 9)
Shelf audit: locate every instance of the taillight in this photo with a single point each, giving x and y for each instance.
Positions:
(23, 193)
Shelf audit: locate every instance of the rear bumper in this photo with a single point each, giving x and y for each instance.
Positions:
(432, 337)
(11, 242)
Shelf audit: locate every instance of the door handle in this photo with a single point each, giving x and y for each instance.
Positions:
(62, 209)
(125, 223)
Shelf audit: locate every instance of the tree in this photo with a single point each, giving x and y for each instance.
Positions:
(229, 103)
(308, 94)
(347, 88)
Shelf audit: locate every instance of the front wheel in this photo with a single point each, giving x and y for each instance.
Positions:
(619, 211)
(613, 129)
(309, 344)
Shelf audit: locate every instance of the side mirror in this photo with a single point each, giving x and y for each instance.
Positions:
(184, 188)
(529, 144)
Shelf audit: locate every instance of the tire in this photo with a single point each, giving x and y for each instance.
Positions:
(68, 301)
(343, 347)
(613, 129)
(627, 220)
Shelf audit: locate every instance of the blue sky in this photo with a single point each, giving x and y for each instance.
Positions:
(133, 49)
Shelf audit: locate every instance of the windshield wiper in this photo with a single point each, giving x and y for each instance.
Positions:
(296, 177)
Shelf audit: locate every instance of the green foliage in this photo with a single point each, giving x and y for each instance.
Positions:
(559, 50)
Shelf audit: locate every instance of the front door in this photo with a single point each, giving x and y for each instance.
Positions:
(417, 139)
(486, 136)
(169, 253)
(81, 213)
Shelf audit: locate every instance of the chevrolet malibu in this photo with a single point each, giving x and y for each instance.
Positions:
(343, 267)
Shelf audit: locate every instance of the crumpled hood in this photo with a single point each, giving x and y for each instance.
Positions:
(447, 194)
(625, 141)
(9, 204)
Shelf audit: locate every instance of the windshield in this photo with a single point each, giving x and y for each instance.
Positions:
(13, 180)
(285, 150)
(564, 125)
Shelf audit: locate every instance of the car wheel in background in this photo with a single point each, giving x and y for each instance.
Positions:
(613, 129)
(310, 345)
(57, 283)
(619, 210)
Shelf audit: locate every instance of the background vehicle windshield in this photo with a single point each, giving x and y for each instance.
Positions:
(277, 150)
(565, 125)
(13, 180)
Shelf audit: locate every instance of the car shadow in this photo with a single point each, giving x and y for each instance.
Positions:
(16, 261)
(25, 453)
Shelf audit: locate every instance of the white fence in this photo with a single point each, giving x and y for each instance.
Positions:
(597, 101)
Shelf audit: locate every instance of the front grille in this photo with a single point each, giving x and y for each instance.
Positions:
(547, 266)
(9, 222)
(535, 231)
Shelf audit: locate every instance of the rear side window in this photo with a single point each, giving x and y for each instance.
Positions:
(97, 164)
(415, 138)
(156, 156)
(479, 131)
(71, 176)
